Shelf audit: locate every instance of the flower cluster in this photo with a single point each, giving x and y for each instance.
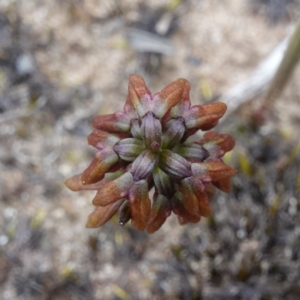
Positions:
(147, 147)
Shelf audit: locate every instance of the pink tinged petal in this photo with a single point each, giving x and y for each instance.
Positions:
(140, 204)
(143, 165)
(101, 139)
(125, 213)
(114, 123)
(163, 183)
(114, 190)
(204, 116)
(103, 161)
(160, 211)
(174, 165)
(191, 151)
(128, 149)
(102, 214)
(138, 95)
(151, 131)
(168, 97)
(174, 132)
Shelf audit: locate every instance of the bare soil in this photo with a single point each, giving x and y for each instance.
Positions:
(63, 62)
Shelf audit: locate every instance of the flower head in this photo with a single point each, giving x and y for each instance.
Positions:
(146, 147)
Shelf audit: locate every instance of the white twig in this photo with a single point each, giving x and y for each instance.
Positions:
(258, 81)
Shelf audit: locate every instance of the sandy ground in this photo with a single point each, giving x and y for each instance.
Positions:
(61, 63)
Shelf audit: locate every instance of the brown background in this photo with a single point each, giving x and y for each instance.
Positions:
(61, 63)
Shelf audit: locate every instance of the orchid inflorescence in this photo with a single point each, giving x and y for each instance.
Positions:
(146, 146)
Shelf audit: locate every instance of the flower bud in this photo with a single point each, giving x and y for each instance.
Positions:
(140, 204)
(102, 214)
(101, 139)
(143, 165)
(185, 103)
(163, 183)
(136, 130)
(179, 209)
(175, 130)
(191, 151)
(195, 197)
(160, 211)
(204, 116)
(128, 149)
(103, 161)
(168, 97)
(151, 130)
(113, 123)
(114, 190)
(75, 183)
(138, 95)
(215, 170)
(174, 165)
(217, 144)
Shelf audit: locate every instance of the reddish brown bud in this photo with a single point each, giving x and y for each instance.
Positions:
(139, 95)
(223, 184)
(218, 170)
(184, 105)
(103, 161)
(168, 97)
(204, 116)
(140, 204)
(179, 209)
(114, 190)
(102, 214)
(217, 144)
(195, 196)
(101, 139)
(117, 122)
(161, 209)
